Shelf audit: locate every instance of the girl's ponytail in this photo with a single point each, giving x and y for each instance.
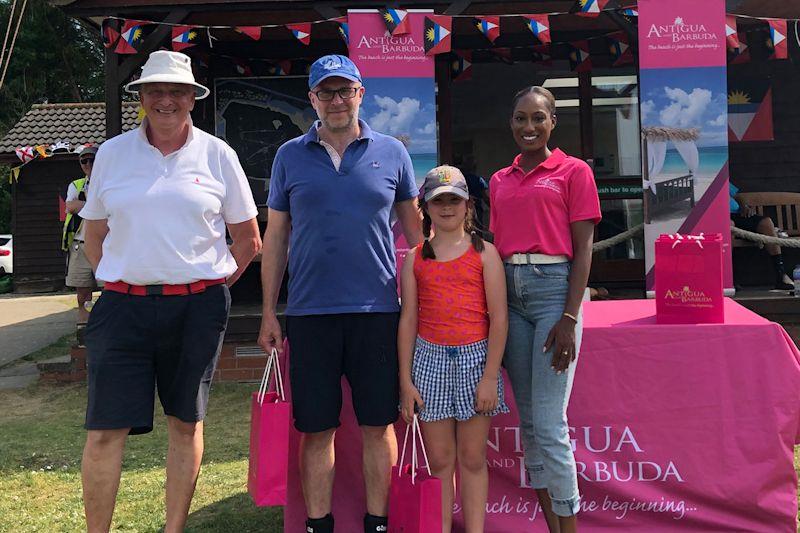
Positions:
(427, 249)
(469, 227)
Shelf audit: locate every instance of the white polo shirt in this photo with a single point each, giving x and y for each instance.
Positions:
(167, 214)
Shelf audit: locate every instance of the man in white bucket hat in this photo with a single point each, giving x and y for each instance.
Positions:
(156, 216)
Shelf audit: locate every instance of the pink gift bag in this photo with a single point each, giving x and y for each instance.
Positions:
(688, 271)
(415, 496)
(269, 439)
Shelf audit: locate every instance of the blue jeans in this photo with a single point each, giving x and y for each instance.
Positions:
(536, 298)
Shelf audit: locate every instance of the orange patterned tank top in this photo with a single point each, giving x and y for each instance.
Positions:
(452, 299)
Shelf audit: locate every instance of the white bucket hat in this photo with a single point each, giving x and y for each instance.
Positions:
(164, 66)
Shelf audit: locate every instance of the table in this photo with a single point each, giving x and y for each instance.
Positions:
(675, 427)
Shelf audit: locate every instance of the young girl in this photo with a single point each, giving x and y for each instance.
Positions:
(451, 339)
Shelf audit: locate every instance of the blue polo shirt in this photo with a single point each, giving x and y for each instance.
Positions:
(341, 247)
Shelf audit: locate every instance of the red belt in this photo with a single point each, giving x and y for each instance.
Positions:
(162, 290)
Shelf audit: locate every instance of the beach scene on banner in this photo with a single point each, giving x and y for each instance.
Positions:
(684, 141)
(404, 108)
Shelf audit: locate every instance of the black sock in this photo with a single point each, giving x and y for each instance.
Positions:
(373, 524)
(320, 525)
(777, 263)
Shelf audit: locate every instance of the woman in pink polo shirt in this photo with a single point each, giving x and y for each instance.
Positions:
(543, 211)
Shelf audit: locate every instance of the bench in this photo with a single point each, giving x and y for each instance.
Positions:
(668, 193)
(782, 207)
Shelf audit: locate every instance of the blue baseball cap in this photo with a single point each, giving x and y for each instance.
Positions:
(332, 65)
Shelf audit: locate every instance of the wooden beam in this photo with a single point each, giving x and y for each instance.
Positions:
(624, 24)
(457, 7)
(151, 44)
(444, 105)
(326, 10)
(113, 96)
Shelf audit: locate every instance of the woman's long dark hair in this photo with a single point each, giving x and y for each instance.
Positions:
(469, 227)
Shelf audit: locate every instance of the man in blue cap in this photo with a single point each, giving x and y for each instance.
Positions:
(331, 195)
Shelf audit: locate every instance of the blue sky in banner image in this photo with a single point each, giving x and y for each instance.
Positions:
(687, 98)
(404, 106)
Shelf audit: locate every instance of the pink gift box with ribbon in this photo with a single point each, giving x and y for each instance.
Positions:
(688, 273)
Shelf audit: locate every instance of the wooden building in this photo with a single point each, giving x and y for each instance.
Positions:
(39, 263)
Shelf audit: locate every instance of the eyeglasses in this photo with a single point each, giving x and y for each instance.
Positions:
(345, 93)
(87, 161)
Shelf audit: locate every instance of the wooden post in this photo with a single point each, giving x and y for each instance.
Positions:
(585, 114)
(444, 116)
(113, 86)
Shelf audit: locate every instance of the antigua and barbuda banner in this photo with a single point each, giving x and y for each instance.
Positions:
(684, 114)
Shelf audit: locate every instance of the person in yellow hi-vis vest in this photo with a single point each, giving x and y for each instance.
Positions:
(79, 271)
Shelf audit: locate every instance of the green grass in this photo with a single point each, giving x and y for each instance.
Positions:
(41, 440)
(57, 349)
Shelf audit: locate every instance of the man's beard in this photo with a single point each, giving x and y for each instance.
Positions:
(346, 126)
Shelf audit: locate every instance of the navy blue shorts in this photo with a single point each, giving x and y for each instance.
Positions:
(360, 346)
(139, 344)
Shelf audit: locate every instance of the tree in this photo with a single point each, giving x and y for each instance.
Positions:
(55, 59)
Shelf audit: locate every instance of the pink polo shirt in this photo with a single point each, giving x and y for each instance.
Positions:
(531, 213)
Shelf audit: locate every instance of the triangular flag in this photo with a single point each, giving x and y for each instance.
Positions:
(731, 33)
(620, 48)
(344, 29)
(25, 153)
(183, 37)
(14, 175)
(140, 114)
(254, 32)
(396, 20)
(579, 58)
(777, 39)
(630, 12)
(438, 29)
(740, 55)
(461, 67)
(280, 68)
(301, 31)
(488, 26)
(130, 37)
(540, 26)
(242, 67)
(42, 151)
(589, 8)
(108, 33)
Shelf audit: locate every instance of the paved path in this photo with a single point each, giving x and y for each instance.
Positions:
(29, 323)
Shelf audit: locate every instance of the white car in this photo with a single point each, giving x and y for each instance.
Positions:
(6, 255)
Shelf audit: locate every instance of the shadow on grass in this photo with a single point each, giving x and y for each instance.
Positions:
(236, 513)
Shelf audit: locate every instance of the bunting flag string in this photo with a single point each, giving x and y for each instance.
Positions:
(254, 32)
(302, 32)
(396, 20)
(620, 48)
(130, 37)
(183, 37)
(344, 29)
(731, 33)
(590, 8)
(777, 39)
(580, 59)
(461, 67)
(489, 26)
(438, 29)
(540, 27)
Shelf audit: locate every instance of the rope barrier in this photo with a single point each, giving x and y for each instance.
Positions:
(616, 239)
(789, 242)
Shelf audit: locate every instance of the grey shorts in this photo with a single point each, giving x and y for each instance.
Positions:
(79, 271)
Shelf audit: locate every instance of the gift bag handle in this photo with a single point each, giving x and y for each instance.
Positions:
(415, 431)
(273, 366)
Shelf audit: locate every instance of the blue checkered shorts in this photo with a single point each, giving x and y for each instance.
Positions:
(447, 378)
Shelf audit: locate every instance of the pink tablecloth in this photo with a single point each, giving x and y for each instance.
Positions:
(676, 427)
